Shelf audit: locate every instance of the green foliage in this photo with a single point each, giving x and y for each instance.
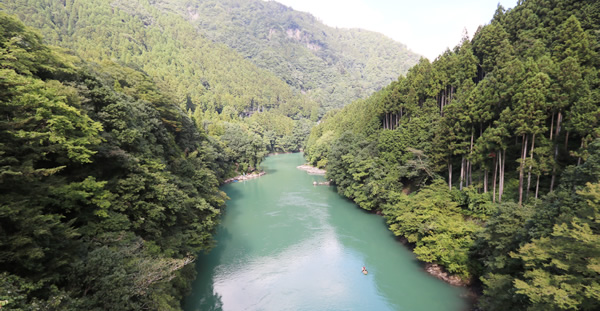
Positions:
(247, 148)
(562, 270)
(510, 119)
(434, 223)
(106, 187)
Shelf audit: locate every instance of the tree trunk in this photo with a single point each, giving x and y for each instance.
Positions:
(450, 174)
(521, 167)
(495, 177)
(530, 165)
(485, 180)
(554, 168)
(567, 141)
(558, 119)
(537, 186)
(503, 162)
(466, 173)
(462, 172)
(470, 155)
(387, 120)
(441, 102)
(552, 126)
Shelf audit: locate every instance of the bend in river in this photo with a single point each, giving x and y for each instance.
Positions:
(285, 244)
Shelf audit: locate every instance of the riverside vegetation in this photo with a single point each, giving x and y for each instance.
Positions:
(106, 192)
(497, 142)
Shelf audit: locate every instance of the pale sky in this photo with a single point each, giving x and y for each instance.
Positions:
(426, 27)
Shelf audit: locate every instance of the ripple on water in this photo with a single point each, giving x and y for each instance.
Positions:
(287, 245)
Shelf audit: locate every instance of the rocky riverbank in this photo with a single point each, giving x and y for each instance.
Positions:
(244, 177)
(433, 268)
(311, 169)
(439, 272)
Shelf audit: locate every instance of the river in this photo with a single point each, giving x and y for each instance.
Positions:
(285, 244)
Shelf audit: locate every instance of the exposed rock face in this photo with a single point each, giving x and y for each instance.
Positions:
(297, 35)
(294, 33)
(193, 14)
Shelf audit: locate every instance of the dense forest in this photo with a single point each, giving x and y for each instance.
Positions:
(215, 86)
(331, 66)
(107, 189)
(487, 160)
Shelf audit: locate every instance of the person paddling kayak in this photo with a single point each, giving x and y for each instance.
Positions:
(364, 270)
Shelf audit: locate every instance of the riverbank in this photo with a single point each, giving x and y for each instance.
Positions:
(252, 175)
(278, 153)
(473, 288)
(433, 269)
(311, 170)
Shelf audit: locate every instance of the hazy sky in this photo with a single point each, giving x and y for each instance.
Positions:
(427, 27)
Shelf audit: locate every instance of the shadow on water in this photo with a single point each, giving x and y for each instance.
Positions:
(232, 191)
(269, 170)
(357, 241)
(211, 300)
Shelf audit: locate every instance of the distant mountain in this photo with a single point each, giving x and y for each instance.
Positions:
(333, 66)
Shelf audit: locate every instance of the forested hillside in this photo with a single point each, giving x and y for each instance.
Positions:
(107, 189)
(498, 143)
(332, 66)
(217, 87)
(183, 45)
(198, 72)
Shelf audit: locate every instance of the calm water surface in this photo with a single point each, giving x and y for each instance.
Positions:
(285, 244)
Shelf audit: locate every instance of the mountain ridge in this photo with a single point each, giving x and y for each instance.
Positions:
(334, 66)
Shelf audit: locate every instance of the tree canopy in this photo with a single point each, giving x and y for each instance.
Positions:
(483, 158)
(107, 188)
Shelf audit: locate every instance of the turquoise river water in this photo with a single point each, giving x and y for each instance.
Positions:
(285, 244)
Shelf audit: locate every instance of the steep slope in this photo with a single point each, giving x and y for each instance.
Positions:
(196, 71)
(107, 190)
(333, 66)
(498, 140)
